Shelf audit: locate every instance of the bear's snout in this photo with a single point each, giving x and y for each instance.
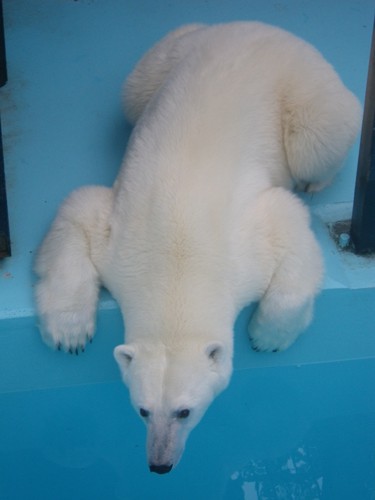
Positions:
(161, 469)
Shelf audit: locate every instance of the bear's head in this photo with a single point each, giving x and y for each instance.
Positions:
(171, 387)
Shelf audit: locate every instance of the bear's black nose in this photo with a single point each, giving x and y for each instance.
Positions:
(160, 469)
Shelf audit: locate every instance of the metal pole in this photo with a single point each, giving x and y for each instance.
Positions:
(4, 224)
(3, 66)
(363, 218)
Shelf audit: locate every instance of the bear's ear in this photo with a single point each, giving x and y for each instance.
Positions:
(215, 352)
(124, 355)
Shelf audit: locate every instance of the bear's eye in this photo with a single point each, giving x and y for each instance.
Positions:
(183, 413)
(144, 413)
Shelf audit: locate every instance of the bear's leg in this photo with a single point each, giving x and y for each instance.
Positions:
(291, 250)
(68, 264)
(152, 70)
(321, 119)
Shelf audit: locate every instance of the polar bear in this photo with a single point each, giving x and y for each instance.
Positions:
(201, 220)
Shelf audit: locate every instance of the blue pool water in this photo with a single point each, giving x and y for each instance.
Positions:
(298, 425)
(293, 433)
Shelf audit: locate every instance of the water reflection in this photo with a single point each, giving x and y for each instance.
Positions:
(335, 460)
(296, 476)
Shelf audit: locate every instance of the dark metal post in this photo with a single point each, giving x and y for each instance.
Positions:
(363, 218)
(4, 224)
(3, 66)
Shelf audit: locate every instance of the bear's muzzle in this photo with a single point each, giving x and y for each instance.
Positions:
(161, 469)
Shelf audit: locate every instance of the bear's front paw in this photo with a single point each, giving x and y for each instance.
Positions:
(269, 336)
(266, 343)
(68, 330)
(275, 325)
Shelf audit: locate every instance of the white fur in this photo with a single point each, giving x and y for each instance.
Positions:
(200, 221)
